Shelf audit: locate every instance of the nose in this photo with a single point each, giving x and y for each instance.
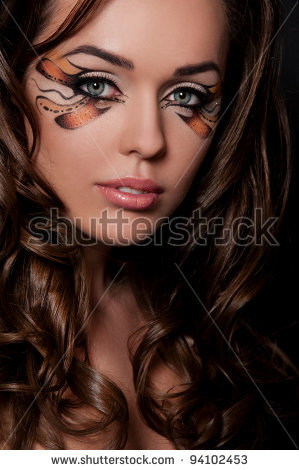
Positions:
(142, 131)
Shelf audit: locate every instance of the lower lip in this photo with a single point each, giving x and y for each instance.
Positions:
(129, 200)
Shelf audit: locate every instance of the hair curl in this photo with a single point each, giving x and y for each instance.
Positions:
(42, 322)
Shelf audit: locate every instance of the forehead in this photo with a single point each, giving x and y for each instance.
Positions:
(156, 35)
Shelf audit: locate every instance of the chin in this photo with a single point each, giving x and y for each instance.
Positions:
(125, 237)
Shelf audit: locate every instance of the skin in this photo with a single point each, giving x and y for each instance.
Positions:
(143, 133)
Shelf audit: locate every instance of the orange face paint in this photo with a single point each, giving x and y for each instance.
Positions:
(69, 116)
(203, 120)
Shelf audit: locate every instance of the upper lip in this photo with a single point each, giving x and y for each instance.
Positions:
(142, 184)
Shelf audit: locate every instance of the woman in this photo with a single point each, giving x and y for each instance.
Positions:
(127, 320)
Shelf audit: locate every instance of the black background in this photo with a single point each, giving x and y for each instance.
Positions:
(285, 298)
(290, 80)
(280, 302)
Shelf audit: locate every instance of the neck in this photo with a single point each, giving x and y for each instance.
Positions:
(96, 259)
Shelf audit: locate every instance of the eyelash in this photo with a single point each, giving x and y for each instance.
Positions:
(202, 96)
(83, 80)
(94, 77)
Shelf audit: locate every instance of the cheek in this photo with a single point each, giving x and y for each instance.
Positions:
(186, 157)
(197, 122)
(72, 116)
(63, 160)
(203, 120)
(188, 142)
(76, 156)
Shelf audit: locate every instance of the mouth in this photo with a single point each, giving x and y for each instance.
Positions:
(131, 193)
(133, 183)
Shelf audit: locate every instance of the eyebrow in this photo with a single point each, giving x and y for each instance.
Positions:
(127, 64)
(196, 68)
(102, 54)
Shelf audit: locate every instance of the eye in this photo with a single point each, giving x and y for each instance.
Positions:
(99, 88)
(98, 85)
(187, 97)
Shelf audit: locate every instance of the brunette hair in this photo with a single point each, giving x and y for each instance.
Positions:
(45, 296)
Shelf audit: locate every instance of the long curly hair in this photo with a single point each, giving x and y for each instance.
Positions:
(199, 299)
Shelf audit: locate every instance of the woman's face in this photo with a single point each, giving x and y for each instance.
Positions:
(135, 93)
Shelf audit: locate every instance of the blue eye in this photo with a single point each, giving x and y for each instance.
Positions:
(95, 88)
(183, 96)
(186, 97)
(98, 88)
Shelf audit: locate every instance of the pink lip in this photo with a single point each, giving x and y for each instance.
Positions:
(127, 200)
(136, 183)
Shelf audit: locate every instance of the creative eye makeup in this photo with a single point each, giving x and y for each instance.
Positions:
(198, 104)
(98, 85)
(91, 93)
(200, 92)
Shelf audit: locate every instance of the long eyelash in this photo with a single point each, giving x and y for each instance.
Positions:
(204, 97)
(84, 78)
(204, 89)
(99, 76)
